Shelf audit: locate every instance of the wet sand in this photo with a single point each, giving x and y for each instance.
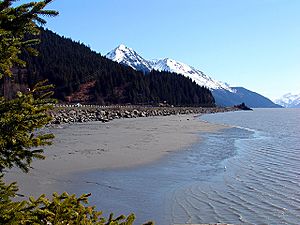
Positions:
(118, 144)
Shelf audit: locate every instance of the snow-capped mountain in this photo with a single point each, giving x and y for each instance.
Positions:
(289, 101)
(129, 57)
(196, 75)
(224, 94)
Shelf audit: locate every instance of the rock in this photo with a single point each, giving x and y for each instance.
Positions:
(104, 120)
(135, 112)
(85, 115)
(242, 107)
(56, 121)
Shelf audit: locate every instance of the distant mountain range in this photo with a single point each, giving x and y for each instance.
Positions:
(240, 94)
(224, 94)
(289, 100)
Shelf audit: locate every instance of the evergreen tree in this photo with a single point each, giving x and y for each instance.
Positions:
(70, 65)
(20, 117)
(15, 24)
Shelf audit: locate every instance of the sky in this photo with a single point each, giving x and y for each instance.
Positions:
(250, 43)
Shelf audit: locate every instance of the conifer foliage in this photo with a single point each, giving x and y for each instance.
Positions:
(15, 24)
(20, 117)
(69, 64)
(61, 209)
(19, 120)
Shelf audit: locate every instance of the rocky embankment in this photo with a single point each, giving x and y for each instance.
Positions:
(105, 114)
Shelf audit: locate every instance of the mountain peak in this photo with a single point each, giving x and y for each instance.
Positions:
(129, 57)
(289, 100)
(122, 47)
(119, 53)
(223, 93)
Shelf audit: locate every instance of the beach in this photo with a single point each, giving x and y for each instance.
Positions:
(118, 144)
(178, 169)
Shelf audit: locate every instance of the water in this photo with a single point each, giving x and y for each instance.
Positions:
(248, 174)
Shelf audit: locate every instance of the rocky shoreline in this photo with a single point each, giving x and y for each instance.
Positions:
(64, 114)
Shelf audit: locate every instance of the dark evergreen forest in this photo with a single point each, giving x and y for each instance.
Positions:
(82, 75)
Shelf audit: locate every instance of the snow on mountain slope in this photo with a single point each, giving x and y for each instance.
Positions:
(196, 75)
(224, 94)
(129, 57)
(289, 101)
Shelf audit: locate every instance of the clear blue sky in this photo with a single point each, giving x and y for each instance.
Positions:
(249, 43)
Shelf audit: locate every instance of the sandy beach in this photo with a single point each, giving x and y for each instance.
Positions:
(120, 143)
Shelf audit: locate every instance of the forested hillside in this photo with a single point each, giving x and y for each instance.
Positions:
(82, 75)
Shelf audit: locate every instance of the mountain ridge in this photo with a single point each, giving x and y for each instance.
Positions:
(124, 55)
(224, 94)
(127, 56)
(241, 94)
(81, 75)
(289, 100)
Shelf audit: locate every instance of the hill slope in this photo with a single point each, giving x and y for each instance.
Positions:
(81, 75)
(250, 98)
(223, 94)
(127, 56)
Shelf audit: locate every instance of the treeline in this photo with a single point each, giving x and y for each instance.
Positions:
(70, 65)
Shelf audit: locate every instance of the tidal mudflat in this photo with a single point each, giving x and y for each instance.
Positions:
(122, 143)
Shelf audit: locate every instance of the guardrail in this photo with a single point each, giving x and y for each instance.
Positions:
(105, 106)
(94, 106)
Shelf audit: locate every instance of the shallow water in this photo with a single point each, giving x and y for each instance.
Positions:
(249, 173)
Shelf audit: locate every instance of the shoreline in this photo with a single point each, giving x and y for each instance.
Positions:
(87, 113)
(122, 143)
